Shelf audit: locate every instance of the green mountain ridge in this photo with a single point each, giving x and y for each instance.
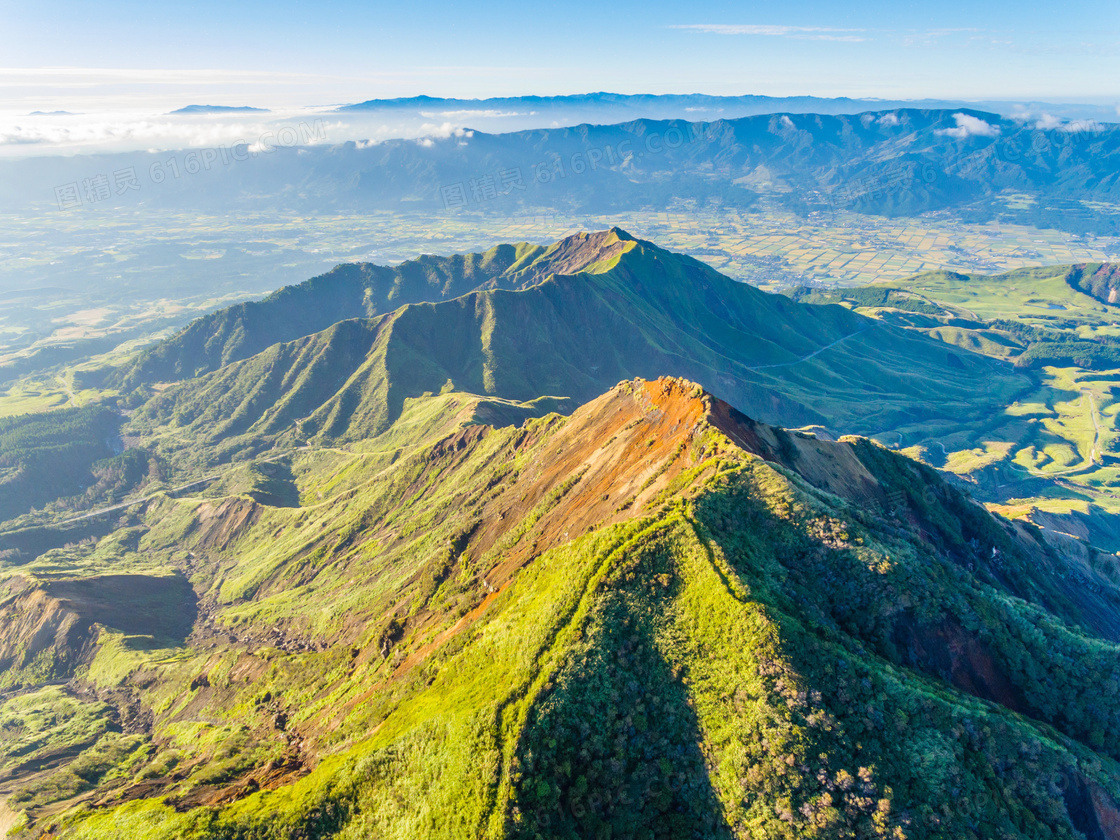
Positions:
(626, 309)
(353, 290)
(654, 617)
(408, 600)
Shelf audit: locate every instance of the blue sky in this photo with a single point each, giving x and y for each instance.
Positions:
(283, 53)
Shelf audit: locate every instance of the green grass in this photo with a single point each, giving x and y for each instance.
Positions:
(757, 651)
(354, 381)
(31, 397)
(49, 720)
(1066, 429)
(735, 655)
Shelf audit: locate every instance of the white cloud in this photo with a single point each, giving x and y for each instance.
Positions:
(1048, 122)
(933, 37)
(118, 132)
(444, 130)
(887, 120)
(805, 33)
(970, 126)
(468, 114)
(786, 122)
(21, 135)
(99, 133)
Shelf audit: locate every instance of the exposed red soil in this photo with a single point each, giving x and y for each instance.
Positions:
(62, 615)
(609, 462)
(421, 653)
(575, 253)
(31, 621)
(1091, 810)
(218, 525)
(1105, 812)
(283, 771)
(947, 650)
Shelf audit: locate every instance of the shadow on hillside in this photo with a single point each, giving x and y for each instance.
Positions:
(137, 605)
(24, 545)
(274, 484)
(812, 568)
(613, 750)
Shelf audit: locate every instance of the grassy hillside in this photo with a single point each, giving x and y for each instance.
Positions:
(390, 593)
(626, 309)
(63, 454)
(1053, 453)
(360, 290)
(655, 616)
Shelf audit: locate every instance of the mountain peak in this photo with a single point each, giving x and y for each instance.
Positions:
(693, 410)
(618, 584)
(219, 109)
(585, 251)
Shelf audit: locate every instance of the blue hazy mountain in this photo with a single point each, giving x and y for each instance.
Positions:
(895, 162)
(617, 107)
(219, 109)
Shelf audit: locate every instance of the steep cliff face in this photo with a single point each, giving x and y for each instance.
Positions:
(1101, 281)
(40, 638)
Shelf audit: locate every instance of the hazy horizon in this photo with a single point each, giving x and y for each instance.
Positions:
(51, 129)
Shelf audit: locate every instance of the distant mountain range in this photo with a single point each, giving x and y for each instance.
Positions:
(897, 162)
(219, 109)
(617, 107)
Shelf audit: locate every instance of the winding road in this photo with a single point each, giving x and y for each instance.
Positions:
(131, 502)
(814, 353)
(170, 490)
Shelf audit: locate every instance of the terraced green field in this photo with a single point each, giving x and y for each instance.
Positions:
(1055, 448)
